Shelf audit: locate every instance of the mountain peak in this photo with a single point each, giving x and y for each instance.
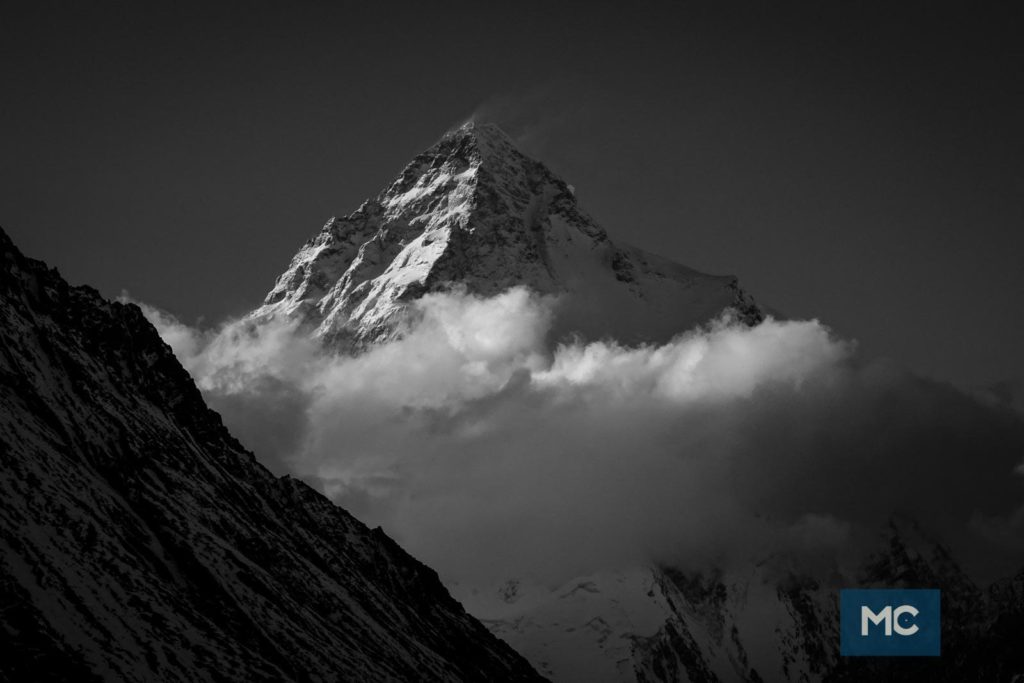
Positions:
(488, 139)
(472, 210)
(461, 162)
(480, 131)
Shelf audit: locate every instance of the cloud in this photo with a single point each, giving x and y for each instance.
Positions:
(183, 340)
(490, 455)
(534, 117)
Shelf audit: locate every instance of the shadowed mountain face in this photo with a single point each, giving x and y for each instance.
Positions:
(474, 211)
(140, 541)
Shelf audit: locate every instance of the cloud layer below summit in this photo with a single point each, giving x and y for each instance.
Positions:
(489, 454)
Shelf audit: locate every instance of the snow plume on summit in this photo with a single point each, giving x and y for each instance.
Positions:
(491, 454)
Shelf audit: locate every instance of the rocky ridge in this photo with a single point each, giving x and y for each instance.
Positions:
(140, 541)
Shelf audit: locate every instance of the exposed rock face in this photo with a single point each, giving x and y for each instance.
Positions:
(475, 212)
(140, 541)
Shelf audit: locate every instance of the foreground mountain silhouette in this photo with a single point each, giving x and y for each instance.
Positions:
(475, 212)
(140, 541)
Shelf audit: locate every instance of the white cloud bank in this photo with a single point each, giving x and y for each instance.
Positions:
(489, 455)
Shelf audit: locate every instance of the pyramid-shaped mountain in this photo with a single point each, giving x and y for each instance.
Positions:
(473, 211)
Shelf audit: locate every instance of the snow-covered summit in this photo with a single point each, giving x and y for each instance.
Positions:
(472, 210)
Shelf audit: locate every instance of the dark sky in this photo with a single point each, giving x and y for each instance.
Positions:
(862, 166)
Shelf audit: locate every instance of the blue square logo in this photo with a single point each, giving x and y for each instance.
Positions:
(889, 623)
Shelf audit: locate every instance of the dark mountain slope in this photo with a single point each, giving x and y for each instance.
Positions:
(140, 541)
